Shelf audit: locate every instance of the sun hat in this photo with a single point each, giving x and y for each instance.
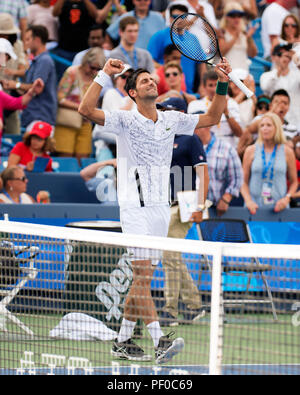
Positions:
(7, 25)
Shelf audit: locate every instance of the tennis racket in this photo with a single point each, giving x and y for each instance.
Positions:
(196, 39)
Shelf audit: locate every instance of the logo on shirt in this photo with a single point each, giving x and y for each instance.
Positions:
(75, 15)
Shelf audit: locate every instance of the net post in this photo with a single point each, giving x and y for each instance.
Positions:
(216, 318)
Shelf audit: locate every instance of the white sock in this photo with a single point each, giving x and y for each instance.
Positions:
(126, 331)
(155, 332)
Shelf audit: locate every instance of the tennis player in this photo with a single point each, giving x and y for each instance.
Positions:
(145, 140)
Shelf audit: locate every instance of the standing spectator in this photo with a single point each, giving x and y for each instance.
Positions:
(18, 10)
(159, 42)
(171, 54)
(36, 143)
(71, 141)
(236, 44)
(224, 168)
(149, 21)
(283, 76)
(40, 13)
(75, 18)
(174, 77)
(43, 107)
(266, 165)
(128, 51)
(95, 40)
(271, 22)
(229, 127)
(15, 68)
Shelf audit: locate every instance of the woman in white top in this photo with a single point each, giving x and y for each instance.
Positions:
(235, 43)
(15, 185)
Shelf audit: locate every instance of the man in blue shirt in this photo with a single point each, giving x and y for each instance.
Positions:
(161, 39)
(188, 162)
(44, 106)
(149, 22)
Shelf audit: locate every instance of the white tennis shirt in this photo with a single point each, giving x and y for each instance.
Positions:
(144, 154)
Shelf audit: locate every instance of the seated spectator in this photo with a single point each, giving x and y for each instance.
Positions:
(128, 50)
(235, 43)
(75, 18)
(174, 77)
(96, 39)
(15, 69)
(15, 185)
(266, 165)
(279, 105)
(163, 51)
(100, 178)
(40, 13)
(229, 128)
(18, 10)
(224, 168)
(249, 7)
(283, 76)
(262, 105)
(76, 140)
(36, 143)
(246, 105)
(149, 21)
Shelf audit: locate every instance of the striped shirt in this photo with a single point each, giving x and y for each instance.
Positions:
(16, 8)
(225, 170)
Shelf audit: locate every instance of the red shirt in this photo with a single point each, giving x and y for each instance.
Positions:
(26, 155)
(162, 86)
(8, 102)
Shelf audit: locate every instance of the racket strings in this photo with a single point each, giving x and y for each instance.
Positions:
(194, 37)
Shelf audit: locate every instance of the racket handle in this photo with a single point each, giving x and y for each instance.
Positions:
(240, 85)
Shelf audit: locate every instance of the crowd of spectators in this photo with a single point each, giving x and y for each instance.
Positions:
(51, 50)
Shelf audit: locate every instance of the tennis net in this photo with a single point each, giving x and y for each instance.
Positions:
(62, 293)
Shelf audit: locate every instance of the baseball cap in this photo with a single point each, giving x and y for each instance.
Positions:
(6, 47)
(126, 68)
(235, 12)
(41, 129)
(173, 103)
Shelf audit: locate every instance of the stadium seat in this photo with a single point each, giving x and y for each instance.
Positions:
(14, 274)
(3, 163)
(87, 161)
(236, 231)
(65, 165)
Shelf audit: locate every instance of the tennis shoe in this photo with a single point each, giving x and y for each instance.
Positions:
(193, 316)
(168, 348)
(130, 351)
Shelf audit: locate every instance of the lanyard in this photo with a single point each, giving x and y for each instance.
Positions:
(5, 193)
(211, 143)
(135, 59)
(270, 164)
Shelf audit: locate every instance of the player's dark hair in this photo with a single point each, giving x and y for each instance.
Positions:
(280, 92)
(131, 80)
(39, 31)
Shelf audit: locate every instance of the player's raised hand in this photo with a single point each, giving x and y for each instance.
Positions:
(113, 66)
(221, 67)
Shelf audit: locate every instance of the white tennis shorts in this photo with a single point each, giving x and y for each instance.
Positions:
(150, 221)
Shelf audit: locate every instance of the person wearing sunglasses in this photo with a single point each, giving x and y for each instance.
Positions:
(14, 190)
(173, 77)
(290, 31)
(235, 42)
(72, 140)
